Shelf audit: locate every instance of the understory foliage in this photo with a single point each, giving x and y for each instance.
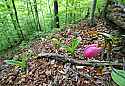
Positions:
(23, 60)
(19, 20)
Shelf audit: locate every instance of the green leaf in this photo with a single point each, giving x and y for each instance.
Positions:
(70, 50)
(118, 76)
(73, 46)
(75, 43)
(17, 63)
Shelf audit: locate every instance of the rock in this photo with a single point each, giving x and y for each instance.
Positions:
(116, 14)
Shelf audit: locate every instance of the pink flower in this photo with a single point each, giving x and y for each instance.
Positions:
(92, 51)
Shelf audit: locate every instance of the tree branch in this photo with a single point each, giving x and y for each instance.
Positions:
(65, 58)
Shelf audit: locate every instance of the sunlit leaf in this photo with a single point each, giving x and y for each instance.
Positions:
(75, 43)
(118, 76)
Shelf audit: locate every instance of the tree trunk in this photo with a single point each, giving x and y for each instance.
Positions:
(56, 18)
(17, 20)
(92, 21)
(12, 19)
(52, 24)
(37, 16)
(66, 19)
(31, 8)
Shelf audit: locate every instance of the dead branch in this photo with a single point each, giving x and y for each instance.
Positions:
(65, 58)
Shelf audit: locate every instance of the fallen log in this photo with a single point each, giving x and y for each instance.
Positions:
(65, 58)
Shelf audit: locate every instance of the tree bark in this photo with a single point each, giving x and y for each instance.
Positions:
(56, 18)
(92, 21)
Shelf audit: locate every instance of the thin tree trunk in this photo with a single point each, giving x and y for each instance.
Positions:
(32, 14)
(12, 19)
(17, 18)
(71, 15)
(29, 12)
(29, 23)
(92, 21)
(66, 12)
(37, 16)
(52, 25)
(56, 18)
(74, 16)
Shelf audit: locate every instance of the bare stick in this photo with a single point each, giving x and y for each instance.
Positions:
(65, 58)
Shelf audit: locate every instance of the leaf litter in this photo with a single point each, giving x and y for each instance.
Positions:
(49, 72)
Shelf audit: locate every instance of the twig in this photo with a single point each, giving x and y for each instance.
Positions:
(65, 58)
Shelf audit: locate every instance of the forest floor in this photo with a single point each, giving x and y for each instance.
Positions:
(45, 70)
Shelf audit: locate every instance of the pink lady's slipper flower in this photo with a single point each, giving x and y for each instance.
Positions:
(91, 51)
